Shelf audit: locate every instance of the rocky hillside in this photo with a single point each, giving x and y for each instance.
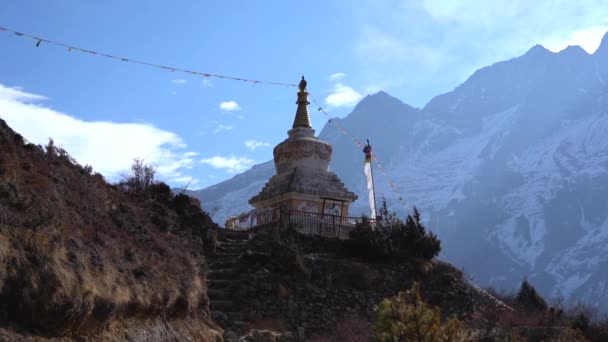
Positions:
(80, 258)
(306, 285)
(310, 288)
(510, 168)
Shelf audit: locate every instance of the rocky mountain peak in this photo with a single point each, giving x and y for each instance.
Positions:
(380, 97)
(538, 50)
(574, 50)
(602, 50)
(511, 159)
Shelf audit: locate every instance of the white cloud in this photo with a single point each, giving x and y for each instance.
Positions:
(426, 47)
(17, 94)
(108, 147)
(179, 82)
(206, 83)
(230, 164)
(252, 144)
(343, 96)
(336, 77)
(222, 128)
(229, 106)
(588, 38)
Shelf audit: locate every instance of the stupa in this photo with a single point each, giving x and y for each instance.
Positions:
(303, 182)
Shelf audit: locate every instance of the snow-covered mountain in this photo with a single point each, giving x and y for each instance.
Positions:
(510, 169)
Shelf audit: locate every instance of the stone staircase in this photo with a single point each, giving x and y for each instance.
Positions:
(222, 275)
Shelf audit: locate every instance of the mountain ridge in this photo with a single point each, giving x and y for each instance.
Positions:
(509, 164)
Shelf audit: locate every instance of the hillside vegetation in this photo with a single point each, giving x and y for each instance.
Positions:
(81, 257)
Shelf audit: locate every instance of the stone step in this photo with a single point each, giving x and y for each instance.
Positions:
(221, 259)
(231, 255)
(219, 316)
(236, 239)
(232, 245)
(219, 283)
(235, 316)
(243, 326)
(243, 235)
(215, 294)
(219, 264)
(232, 241)
(239, 242)
(221, 305)
(229, 249)
(223, 273)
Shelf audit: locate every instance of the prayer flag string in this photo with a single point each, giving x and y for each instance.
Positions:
(359, 144)
(71, 48)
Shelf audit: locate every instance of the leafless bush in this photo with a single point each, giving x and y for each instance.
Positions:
(141, 177)
(54, 151)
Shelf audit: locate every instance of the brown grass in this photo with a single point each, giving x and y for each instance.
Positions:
(77, 254)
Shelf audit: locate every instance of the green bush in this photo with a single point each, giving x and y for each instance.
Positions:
(406, 317)
(392, 239)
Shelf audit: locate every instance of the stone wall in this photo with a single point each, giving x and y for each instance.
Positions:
(303, 283)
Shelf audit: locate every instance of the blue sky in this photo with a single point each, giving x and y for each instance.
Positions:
(106, 112)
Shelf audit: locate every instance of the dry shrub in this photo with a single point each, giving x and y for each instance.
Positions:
(518, 318)
(529, 299)
(392, 240)
(141, 178)
(570, 335)
(585, 318)
(406, 317)
(77, 254)
(66, 287)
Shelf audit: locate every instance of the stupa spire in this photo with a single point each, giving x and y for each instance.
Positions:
(302, 119)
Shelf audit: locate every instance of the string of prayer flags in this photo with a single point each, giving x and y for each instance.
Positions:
(71, 48)
(358, 143)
